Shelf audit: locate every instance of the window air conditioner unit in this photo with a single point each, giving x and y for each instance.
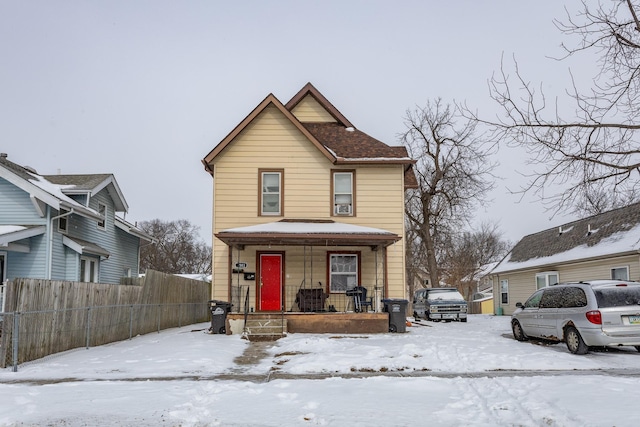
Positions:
(343, 209)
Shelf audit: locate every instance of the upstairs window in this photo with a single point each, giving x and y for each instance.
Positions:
(102, 210)
(63, 221)
(271, 195)
(343, 193)
(546, 279)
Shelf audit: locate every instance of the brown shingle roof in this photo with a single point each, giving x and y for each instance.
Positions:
(80, 182)
(354, 144)
(588, 231)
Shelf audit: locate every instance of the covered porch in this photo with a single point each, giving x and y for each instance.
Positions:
(322, 275)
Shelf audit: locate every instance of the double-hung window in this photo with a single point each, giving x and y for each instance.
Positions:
(343, 192)
(547, 278)
(271, 194)
(343, 271)
(504, 291)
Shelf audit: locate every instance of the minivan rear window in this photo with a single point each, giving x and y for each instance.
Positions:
(618, 296)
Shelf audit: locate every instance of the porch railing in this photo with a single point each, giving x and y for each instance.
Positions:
(245, 300)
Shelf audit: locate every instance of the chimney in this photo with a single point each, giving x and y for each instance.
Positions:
(3, 155)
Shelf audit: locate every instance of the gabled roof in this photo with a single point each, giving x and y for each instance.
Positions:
(309, 89)
(269, 100)
(612, 233)
(91, 184)
(340, 142)
(42, 190)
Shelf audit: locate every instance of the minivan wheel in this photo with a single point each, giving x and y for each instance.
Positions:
(518, 333)
(575, 344)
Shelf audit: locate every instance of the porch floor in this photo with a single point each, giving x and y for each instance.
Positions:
(318, 322)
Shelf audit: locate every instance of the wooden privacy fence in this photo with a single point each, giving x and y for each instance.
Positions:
(44, 317)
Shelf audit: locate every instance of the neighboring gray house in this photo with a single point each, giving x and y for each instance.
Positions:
(64, 227)
(604, 246)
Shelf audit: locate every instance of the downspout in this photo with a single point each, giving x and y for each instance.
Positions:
(49, 265)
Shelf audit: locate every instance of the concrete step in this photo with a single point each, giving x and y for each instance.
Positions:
(263, 329)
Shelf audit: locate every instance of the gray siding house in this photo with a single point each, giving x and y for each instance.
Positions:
(604, 246)
(65, 227)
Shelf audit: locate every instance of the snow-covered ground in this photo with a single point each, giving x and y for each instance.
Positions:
(437, 374)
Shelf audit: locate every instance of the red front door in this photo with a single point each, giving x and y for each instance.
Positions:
(270, 285)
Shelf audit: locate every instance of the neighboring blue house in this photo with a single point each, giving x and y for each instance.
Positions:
(64, 227)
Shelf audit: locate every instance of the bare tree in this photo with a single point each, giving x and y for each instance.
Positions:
(467, 253)
(453, 169)
(594, 154)
(177, 250)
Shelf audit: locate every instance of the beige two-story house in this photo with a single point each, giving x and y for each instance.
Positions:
(303, 200)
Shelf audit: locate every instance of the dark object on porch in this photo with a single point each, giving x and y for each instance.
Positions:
(360, 301)
(311, 299)
(219, 310)
(397, 309)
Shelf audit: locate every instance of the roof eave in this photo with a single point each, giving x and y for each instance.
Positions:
(269, 100)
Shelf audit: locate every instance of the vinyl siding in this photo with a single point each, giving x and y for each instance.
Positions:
(31, 264)
(309, 110)
(523, 284)
(272, 142)
(16, 206)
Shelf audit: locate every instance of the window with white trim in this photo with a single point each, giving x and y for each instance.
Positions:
(102, 210)
(89, 270)
(271, 193)
(547, 278)
(620, 273)
(343, 272)
(343, 193)
(63, 221)
(504, 291)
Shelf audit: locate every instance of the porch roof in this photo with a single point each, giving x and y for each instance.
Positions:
(306, 232)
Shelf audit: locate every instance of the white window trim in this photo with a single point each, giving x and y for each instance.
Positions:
(504, 283)
(96, 272)
(64, 218)
(626, 267)
(280, 190)
(102, 225)
(546, 275)
(347, 208)
(332, 274)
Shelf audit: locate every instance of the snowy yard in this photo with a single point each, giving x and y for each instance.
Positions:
(440, 374)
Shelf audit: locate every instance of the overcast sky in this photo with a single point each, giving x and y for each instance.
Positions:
(145, 89)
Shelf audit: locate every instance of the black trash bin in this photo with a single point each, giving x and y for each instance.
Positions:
(397, 309)
(219, 310)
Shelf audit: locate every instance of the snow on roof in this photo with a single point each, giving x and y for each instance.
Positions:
(621, 242)
(308, 227)
(6, 229)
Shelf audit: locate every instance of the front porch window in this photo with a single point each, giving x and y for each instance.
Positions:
(343, 272)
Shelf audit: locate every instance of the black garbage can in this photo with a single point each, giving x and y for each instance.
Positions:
(397, 309)
(219, 310)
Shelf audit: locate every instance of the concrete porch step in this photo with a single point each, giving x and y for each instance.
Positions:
(265, 329)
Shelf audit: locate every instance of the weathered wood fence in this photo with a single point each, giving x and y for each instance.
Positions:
(44, 317)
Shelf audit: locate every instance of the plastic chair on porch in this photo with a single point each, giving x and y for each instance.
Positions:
(360, 300)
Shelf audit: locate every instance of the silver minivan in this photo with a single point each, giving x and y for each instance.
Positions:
(598, 313)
